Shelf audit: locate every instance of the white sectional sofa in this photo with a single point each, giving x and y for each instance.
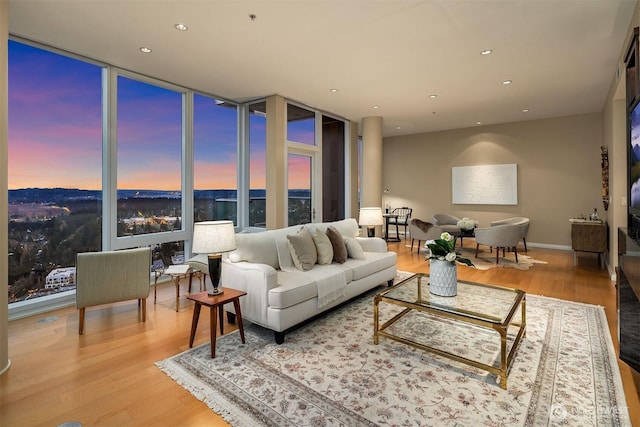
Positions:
(281, 296)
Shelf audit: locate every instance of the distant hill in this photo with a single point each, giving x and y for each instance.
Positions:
(62, 195)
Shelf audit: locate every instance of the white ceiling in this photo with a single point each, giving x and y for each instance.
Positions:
(560, 54)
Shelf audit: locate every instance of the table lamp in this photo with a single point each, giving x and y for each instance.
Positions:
(213, 238)
(370, 217)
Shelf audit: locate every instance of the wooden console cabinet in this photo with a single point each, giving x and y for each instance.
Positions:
(589, 237)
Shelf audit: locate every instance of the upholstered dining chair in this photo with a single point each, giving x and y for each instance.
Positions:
(404, 215)
(448, 223)
(505, 237)
(422, 231)
(522, 222)
(112, 276)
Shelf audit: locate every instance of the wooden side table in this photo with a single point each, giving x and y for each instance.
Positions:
(589, 236)
(215, 303)
(388, 216)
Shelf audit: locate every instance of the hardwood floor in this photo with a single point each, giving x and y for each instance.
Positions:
(107, 376)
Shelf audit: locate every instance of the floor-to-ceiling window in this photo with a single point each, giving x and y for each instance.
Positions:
(299, 179)
(55, 163)
(215, 164)
(149, 159)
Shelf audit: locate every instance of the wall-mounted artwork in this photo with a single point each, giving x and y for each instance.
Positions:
(485, 184)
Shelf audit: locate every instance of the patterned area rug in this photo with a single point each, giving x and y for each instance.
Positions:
(329, 373)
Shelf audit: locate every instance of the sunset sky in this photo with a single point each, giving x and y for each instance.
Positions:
(55, 130)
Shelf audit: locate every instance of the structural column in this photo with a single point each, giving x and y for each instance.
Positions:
(371, 185)
(4, 213)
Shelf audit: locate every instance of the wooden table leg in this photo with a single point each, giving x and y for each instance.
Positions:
(177, 280)
(194, 323)
(221, 318)
(213, 326)
(236, 306)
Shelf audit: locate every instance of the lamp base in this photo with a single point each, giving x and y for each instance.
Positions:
(214, 292)
(215, 270)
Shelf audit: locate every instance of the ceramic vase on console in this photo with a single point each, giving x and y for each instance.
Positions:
(443, 278)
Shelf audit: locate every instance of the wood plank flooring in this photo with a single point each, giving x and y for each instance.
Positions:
(107, 376)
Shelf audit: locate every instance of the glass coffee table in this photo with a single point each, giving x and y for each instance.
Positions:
(476, 306)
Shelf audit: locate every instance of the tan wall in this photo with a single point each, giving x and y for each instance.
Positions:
(559, 174)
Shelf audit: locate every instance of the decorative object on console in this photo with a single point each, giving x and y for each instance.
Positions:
(213, 238)
(370, 218)
(605, 176)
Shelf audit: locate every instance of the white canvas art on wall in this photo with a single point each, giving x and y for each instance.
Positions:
(485, 184)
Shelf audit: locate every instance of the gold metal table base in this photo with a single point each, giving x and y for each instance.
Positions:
(506, 358)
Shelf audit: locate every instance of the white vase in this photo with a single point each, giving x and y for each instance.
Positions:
(443, 278)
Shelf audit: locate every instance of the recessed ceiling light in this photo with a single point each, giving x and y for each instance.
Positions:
(144, 49)
(486, 52)
(507, 82)
(398, 127)
(525, 110)
(181, 27)
(434, 96)
(333, 90)
(478, 123)
(375, 107)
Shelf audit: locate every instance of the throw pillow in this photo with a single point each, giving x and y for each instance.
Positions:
(354, 250)
(303, 249)
(323, 246)
(337, 242)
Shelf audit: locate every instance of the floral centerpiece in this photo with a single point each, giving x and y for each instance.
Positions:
(467, 223)
(444, 249)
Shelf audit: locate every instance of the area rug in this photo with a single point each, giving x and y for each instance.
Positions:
(487, 260)
(329, 373)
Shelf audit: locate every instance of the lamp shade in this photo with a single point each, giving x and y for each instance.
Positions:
(213, 237)
(370, 217)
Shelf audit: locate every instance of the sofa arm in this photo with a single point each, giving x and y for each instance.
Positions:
(372, 244)
(256, 280)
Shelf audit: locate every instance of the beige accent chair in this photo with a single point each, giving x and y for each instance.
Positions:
(423, 231)
(522, 222)
(505, 237)
(448, 223)
(112, 276)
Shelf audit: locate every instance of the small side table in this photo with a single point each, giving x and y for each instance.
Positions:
(387, 216)
(215, 303)
(176, 276)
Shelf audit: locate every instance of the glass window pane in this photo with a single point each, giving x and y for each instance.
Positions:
(300, 125)
(257, 164)
(299, 179)
(55, 169)
(215, 177)
(149, 158)
(333, 169)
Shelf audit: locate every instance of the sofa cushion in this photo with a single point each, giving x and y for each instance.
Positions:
(285, 262)
(255, 247)
(337, 242)
(303, 249)
(323, 247)
(373, 262)
(297, 286)
(354, 250)
(347, 227)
